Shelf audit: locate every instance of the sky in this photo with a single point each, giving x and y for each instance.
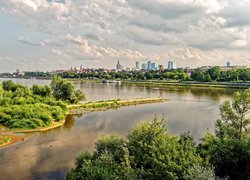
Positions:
(60, 34)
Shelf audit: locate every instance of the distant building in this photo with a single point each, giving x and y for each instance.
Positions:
(149, 65)
(153, 66)
(119, 67)
(228, 64)
(228, 68)
(171, 65)
(161, 67)
(144, 66)
(137, 65)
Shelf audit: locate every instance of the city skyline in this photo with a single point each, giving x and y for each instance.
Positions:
(57, 34)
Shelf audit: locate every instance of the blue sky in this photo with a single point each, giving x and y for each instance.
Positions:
(58, 34)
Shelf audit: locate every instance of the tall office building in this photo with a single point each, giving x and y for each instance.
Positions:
(153, 66)
(171, 65)
(137, 65)
(144, 66)
(149, 65)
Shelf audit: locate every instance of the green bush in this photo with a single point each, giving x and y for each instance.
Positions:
(21, 107)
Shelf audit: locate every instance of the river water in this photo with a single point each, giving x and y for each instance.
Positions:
(49, 155)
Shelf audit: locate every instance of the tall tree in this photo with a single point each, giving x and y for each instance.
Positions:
(235, 120)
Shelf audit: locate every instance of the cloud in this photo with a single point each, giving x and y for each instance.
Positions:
(58, 52)
(51, 42)
(200, 31)
(30, 42)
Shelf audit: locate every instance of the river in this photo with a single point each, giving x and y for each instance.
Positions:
(49, 155)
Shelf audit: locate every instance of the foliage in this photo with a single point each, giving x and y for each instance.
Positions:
(148, 153)
(44, 91)
(21, 107)
(200, 173)
(229, 157)
(228, 151)
(234, 120)
(65, 91)
(110, 160)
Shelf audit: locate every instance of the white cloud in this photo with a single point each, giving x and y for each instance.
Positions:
(58, 52)
(200, 31)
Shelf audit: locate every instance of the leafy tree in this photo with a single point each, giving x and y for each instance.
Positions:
(148, 153)
(110, 160)
(235, 121)
(1, 91)
(214, 72)
(158, 155)
(229, 157)
(44, 91)
(65, 91)
(200, 173)
(198, 75)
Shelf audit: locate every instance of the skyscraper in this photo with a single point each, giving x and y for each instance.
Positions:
(137, 65)
(144, 66)
(149, 65)
(119, 67)
(171, 65)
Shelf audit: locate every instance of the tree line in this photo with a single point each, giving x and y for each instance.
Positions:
(149, 152)
(213, 74)
(38, 106)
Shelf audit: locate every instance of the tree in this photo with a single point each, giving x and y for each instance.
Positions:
(214, 73)
(110, 160)
(1, 91)
(148, 153)
(198, 75)
(65, 91)
(44, 91)
(156, 155)
(229, 157)
(234, 121)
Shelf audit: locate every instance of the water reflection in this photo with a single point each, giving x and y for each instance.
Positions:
(48, 155)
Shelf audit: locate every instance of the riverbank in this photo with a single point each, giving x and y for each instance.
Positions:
(8, 136)
(8, 139)
(234, 85)
(109, 104)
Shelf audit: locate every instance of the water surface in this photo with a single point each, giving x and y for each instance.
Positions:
(48, 155)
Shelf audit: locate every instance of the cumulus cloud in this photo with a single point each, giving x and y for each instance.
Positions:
(188, 31)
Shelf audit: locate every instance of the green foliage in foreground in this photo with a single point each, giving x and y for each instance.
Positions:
(149, 152)
(23, 107)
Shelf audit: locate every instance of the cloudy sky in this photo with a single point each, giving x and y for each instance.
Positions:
(58, 34)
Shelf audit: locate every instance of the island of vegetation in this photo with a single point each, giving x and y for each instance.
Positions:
(41, 108)
(149, 152)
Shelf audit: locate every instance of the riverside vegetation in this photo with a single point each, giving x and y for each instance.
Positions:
(149, 152)
(39, 106)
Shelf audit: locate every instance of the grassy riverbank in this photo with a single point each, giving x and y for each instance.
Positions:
(5, 140)
(233, 85)
(109, 104)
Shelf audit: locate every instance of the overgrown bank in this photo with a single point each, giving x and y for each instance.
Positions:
(191, 84)
(37, 107)
(109, 104)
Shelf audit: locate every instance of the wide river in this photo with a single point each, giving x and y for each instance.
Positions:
(49, 155)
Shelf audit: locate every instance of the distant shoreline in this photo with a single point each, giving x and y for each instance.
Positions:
(159, 83)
